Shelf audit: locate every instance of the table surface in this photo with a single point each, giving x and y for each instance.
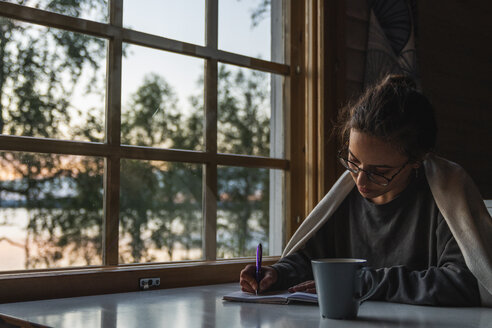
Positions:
(203, 306)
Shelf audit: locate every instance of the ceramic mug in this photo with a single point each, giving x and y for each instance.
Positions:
(338, 284)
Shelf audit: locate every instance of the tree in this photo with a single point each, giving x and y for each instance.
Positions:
(162, 199)
(39, 71)
(160, 202)
(243, 193)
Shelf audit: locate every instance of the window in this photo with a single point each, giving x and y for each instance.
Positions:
(127, 142)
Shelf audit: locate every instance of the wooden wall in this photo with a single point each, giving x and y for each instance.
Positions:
(455, 60)
(454, 48)
(356, 29)
(345, 33)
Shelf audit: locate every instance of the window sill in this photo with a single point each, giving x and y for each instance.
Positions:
(58, 283)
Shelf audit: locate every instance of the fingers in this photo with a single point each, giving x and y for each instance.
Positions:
(245, 287)
(247, 279)
(306, 286)
(269, 278)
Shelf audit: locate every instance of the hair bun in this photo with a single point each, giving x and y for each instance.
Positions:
(401, 81)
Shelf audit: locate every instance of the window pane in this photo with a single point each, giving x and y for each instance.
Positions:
(182, 20)
(51, 210)
(87, 9)
(162, 97)
(244, 212)
(160, 211)
(244, 111)
(55, 86)
(245, 27)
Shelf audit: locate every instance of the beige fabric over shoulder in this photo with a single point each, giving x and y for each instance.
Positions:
(457, 198)
(321, 213)
(462, 206)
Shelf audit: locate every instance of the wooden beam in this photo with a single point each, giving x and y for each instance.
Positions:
(252, 161)
(109, 31)
(321, 131)
(311, 104)
(51, 19)
(80, 148)
(211, 103)
(334, 83)
(295, 118)
(113, 139)
(118, 279)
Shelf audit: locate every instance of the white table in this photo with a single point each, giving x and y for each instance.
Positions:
(203, 307)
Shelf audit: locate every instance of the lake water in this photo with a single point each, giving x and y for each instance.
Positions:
(13, 236)
(13, 223)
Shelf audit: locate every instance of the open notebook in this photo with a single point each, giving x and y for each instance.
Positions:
(282, 297)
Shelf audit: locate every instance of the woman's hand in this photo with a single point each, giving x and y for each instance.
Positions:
(306, 287)
(247, 278)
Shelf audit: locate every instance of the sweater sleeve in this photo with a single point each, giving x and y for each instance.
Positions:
(450, 283)
(296, 267)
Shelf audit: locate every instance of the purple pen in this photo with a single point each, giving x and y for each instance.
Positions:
(259, 251)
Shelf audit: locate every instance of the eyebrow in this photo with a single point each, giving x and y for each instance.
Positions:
(380, 166)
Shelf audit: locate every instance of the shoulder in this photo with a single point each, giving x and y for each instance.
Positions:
(436, 162)
(443, 171)
(450, 184)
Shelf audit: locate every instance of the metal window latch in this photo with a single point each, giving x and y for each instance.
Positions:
(146, 283)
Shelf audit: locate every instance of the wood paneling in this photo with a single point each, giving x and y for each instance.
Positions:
(335, 78)
(356, 34)
(454, 53)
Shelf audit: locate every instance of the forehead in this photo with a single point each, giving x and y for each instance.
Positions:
(370, 150)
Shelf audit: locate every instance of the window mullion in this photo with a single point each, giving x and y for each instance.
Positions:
(112, 133)
(210, 101)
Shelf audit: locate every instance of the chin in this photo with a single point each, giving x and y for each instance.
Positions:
(368, 193)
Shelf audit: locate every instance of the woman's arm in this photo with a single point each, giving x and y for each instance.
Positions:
(296, 267)
(449, 283)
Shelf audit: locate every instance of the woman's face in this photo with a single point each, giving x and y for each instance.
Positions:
(375, 155)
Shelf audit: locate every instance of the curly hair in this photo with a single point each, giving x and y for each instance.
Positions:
(396, 112)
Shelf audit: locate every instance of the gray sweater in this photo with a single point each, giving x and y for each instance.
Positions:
(407, 243)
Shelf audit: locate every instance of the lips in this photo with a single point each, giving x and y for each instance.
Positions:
(364, 190)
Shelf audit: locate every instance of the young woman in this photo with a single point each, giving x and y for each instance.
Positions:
(417, 219)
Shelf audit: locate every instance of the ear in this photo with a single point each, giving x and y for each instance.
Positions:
(416, 164)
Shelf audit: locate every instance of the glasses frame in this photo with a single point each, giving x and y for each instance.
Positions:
(370, 175)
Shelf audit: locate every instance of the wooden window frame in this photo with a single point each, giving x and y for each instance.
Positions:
(303, 114)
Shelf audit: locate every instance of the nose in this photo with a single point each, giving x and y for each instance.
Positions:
(362, 179)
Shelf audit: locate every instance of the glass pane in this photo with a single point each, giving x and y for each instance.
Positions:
(51, 210)
(55, 85)
(182, 20)
(244, 111)
(162, 97)
(160, 211)
(96, 10)
(243, 211)
(245, 27)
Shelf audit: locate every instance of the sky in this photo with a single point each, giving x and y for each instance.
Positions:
(184, 21)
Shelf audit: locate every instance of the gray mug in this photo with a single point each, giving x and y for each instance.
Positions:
(338, 284)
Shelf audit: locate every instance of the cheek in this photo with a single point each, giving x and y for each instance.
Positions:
(404, 176)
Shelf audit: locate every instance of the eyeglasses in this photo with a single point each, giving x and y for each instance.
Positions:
(377, 178)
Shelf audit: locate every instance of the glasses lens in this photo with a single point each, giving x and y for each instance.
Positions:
(380, 180)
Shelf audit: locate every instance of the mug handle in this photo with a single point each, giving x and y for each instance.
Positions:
(371, 291)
